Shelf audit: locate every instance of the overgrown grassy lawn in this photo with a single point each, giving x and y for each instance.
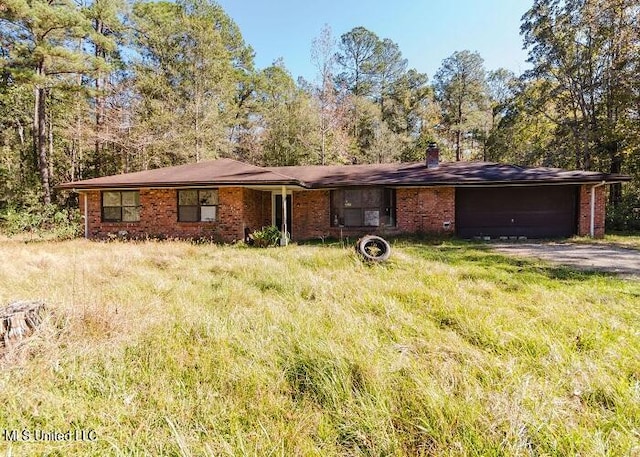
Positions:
(448, 349)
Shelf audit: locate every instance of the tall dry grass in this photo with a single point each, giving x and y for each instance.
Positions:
(448, 349)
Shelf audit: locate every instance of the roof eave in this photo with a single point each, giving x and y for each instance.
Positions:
(598, 178)
(170, 185)
(521, 182)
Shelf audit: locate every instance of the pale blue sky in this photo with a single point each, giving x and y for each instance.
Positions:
(427, 31)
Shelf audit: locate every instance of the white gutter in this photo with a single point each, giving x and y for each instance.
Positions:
(592, 229)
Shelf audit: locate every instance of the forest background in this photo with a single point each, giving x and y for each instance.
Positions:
(95, 87)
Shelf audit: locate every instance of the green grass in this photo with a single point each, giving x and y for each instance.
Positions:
(448, 349)
(624, 240)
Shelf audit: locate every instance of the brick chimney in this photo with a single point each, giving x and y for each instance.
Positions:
(433, 155)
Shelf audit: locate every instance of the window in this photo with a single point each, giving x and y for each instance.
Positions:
(198, 205)
(121, 206)
(363, 207)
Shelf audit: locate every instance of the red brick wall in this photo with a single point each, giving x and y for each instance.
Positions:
(231, 211)
(419, 210)
(584, 211)
(238, 209)
(255, 208)
(426, 209)
(266, 209)
(310, 214)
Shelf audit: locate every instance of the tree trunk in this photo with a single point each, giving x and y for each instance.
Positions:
(459, 132)
(40, 137)
(99, 100)
(615, 192)
(484, 150)
(43, 159)
(20, 129)
(50, 141)
(324, 134)
(34, 130)
(197, 122)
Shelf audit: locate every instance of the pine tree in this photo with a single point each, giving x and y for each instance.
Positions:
(40, 56)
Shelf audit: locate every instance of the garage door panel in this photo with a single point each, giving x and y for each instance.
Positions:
(534, 212)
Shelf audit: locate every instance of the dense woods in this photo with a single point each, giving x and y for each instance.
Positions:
(106, 86)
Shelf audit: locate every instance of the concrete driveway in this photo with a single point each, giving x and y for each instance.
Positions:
(592, 257)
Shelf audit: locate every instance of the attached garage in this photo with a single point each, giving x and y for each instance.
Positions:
(547, 211)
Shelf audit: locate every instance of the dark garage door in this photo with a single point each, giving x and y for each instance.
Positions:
(534, 212)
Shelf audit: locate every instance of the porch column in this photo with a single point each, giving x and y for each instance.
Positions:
(592, 221)
(284, 240)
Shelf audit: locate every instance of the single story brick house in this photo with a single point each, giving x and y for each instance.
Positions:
(225, 199)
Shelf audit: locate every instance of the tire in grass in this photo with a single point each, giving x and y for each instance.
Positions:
(373, 248)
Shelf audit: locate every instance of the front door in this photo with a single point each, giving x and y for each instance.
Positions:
(278, 214)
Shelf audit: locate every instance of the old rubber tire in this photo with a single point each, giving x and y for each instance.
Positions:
(373, 248)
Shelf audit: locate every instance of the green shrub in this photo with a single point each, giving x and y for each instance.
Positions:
(265, 237)
(40, 220)
(625, 217)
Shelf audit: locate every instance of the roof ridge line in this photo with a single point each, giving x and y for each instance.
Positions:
(270, 170)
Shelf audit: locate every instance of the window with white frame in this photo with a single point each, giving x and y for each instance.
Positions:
(198, 205)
